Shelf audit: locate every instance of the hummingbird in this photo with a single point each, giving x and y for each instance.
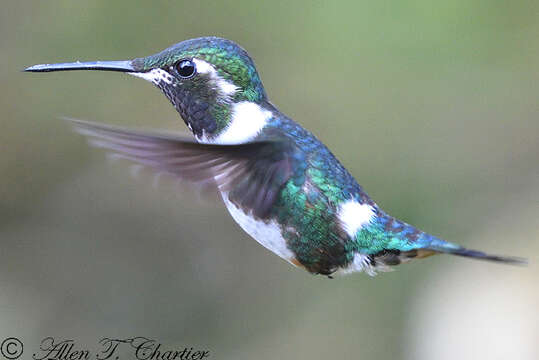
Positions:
(280, 183)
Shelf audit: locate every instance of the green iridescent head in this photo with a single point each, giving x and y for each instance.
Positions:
(229, 60)
(203, 78)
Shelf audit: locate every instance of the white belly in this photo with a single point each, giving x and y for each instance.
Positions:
(266, 233)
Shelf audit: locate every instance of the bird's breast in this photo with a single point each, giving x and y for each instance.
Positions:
(268, 233)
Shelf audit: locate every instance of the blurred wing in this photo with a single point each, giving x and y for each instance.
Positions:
(254, 172)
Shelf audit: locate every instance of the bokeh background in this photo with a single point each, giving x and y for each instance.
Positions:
(432, 105)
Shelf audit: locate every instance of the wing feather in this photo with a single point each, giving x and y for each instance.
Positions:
(254, 171)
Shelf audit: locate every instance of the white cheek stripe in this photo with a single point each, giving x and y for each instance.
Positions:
(248, 119)
(155, 76)
(226, 87)
(354, 216)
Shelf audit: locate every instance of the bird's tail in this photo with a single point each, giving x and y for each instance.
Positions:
(452, 249)
(404, 242)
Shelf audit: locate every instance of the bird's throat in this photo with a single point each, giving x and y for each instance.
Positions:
(246, 120)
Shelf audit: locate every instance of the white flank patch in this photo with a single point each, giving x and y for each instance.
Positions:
(267, 234)
(354, 216)
(360, 263)
(155, 76)
(226, 87)
(247, 120)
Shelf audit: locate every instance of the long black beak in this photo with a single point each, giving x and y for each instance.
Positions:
(123, 66)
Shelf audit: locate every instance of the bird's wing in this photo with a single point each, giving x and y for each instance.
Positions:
(254, 171)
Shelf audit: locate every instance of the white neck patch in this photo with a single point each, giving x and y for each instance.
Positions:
(354, 216)
(247, 120)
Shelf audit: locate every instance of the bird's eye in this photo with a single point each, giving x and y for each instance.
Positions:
(186, 68)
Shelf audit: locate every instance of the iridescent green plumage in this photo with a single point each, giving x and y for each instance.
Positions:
(279, 182)
(231, 62)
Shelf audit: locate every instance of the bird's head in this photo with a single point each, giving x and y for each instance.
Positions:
(208, 80)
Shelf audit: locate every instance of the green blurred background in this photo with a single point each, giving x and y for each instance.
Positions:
(432, 105)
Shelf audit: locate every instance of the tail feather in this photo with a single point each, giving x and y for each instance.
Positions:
(475, 254)
(403, 242)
